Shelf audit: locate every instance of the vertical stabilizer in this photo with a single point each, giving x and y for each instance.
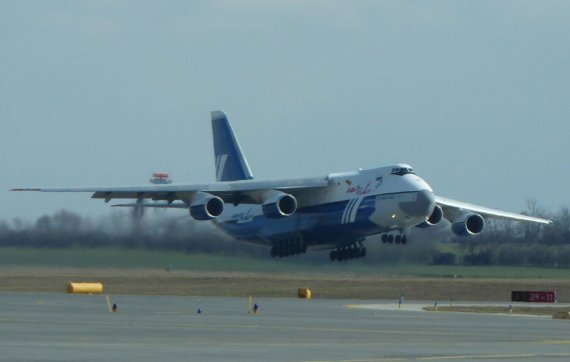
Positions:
(231, 165)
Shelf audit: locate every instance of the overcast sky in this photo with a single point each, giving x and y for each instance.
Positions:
(475, 95)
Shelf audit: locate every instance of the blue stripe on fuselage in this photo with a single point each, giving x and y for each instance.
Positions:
(319, 224)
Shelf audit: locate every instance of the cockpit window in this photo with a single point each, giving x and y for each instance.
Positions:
(401, 171)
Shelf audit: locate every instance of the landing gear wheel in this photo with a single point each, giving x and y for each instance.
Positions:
(404, 239)
(352, 251)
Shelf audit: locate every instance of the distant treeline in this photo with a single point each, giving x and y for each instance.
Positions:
(167, 231)
(501, 243)
(66, 229)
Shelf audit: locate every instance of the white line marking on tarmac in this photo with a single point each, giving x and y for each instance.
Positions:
(450, 358)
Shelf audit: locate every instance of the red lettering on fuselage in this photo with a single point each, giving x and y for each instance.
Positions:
(364, 190)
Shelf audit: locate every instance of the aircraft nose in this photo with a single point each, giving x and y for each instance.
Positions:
(422, 206)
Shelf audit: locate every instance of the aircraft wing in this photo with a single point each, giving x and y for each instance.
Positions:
(455, 208)
(230, 192)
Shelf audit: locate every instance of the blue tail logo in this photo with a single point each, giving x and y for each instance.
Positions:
(231, 165)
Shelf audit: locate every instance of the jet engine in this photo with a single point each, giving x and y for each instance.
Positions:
(470, 224)
(206, 206)
(434, 219)
(279, 204)
(436, 216)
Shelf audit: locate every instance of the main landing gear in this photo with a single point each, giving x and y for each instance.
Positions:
(399, 238)
(288, 248)
(353, 251)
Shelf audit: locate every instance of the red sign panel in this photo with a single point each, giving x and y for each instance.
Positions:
(533, 296)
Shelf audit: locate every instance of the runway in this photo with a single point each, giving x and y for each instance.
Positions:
(60, 327)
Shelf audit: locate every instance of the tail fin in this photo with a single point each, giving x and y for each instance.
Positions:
(231, 165)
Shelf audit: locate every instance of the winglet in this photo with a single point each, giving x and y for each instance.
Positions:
(231, 164)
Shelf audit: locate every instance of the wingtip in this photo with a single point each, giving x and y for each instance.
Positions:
(25, 189)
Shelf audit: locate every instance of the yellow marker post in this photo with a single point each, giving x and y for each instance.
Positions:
(85, 288)
(109, 303)
(304, 293)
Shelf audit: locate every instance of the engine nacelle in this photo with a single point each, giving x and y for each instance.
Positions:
(436, 216)
(206, 206)
(434, 219)
(279, 204)
(470, 224)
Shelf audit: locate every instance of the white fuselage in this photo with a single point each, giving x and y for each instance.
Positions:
(353, 205)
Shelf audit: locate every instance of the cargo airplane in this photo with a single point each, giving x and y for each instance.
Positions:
(335, 212)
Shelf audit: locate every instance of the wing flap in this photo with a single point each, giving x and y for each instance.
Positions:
(234, 191)
(452, 207)
(176, 205)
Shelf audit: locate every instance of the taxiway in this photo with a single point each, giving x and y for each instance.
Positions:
(60, 327)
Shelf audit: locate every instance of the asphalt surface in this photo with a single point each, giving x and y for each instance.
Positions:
(60, 327)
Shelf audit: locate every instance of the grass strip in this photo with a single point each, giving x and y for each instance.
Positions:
(174, 260)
